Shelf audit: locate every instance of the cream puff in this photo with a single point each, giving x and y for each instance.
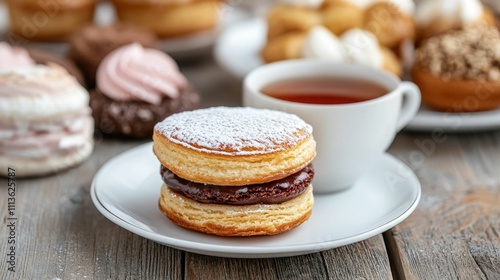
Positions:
(169, 18)
(45, 121)
(460, 71)
(136, 88)
(284, 19)
(391, 21)
(225, 173)
(356, 46)
(434, 17)
(49, 20)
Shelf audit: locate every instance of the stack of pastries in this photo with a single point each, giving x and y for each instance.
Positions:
(225, 173)
(379, 27)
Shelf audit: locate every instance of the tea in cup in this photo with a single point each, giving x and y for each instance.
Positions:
(355, 112)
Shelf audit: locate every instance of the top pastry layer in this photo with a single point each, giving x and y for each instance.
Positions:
(235, 131)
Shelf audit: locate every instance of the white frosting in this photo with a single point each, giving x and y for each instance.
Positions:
(363, 47)
(302, 3)
(322, 44)
(406, 6)
(234, 131)
(356, 45)
(459, 11)
(31, 140)
(39, 92)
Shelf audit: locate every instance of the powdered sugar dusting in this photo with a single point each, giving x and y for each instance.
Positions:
(234, 130)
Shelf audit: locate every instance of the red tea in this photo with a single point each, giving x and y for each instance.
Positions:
(325, 90)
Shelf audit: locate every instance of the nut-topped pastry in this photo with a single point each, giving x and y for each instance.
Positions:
(460, 71)
(226, 173)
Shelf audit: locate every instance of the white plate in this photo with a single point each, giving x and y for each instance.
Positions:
(428, 120)
(126, 191)
(181, 47)
(238, 51)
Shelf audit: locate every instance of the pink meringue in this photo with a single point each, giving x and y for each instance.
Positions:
(14, 57)
(132, 72)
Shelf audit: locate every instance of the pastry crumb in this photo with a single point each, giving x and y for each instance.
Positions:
(472, 54)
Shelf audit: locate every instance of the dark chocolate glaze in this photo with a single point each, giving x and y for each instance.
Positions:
(136, 119)
(268, 193)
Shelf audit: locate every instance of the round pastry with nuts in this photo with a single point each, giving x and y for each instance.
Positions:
(235, 171)
(460, 71)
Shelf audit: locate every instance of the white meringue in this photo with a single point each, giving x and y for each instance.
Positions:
(322, 44)
(362, 47)
(356, 46)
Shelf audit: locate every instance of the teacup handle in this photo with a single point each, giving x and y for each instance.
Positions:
(411, 103)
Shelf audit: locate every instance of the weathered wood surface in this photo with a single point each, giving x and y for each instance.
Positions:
(455, 231)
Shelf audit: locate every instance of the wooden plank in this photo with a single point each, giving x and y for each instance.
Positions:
(455, 231)
(61, 234)
(362, 260)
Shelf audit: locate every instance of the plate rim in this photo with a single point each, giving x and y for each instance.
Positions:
(249, 251)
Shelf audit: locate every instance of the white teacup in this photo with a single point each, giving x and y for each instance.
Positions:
(350, 137)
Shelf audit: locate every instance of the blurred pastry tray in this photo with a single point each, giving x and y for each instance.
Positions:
(180, 48)
(238, 47)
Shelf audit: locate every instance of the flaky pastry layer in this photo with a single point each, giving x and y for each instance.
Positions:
(232, 170)
(236, 220)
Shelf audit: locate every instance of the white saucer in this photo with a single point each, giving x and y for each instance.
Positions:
(238, 51)
(181, 47)
(126, 191)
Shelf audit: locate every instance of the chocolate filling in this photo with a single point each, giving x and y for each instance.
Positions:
(268, 193)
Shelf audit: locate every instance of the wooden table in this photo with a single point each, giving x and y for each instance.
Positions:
(453, 234)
